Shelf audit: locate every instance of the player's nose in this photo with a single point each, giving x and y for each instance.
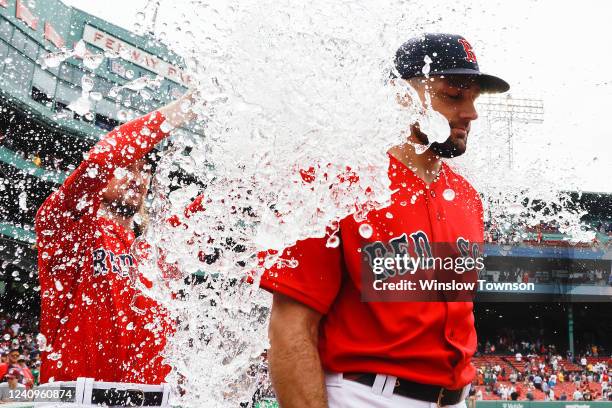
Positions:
(468, 111)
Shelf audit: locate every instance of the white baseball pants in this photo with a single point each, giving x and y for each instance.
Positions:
(343, 393)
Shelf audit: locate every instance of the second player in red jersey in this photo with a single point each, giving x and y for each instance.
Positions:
(96, 323)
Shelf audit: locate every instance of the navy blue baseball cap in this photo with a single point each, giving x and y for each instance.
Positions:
(450, 54)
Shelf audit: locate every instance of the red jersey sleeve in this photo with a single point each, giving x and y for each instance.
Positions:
(316, 279)
(80, 194)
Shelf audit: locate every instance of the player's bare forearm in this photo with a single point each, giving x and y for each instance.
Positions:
(180, 111)
(295, 366)
(119, 148)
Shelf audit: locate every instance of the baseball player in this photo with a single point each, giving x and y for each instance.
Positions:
(96, 323)
(387, 354)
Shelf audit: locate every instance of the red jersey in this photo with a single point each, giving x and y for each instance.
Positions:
(95, 322)
(4, 369)
(28, 378)
(425, 342)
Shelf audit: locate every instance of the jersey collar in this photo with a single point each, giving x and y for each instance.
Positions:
(400, 174)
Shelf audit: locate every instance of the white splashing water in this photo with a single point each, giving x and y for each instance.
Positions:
(23, 201)
(82, 105)
(298, 103)
(139, 85)
(54, 59)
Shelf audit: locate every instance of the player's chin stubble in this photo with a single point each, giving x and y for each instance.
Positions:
(448, 149)
(124, 209)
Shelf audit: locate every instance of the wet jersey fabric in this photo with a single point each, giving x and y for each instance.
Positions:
(425, 342)
(95, 322)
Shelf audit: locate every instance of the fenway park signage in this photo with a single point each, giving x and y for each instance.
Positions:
(134, 55)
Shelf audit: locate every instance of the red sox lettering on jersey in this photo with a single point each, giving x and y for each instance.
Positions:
(105, 261)
(425, 342)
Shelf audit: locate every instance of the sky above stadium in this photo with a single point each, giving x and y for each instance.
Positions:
(554, 51)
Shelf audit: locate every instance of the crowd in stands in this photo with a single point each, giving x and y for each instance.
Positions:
(19, 355)
(506, 368)
(595, 276)
(543, 234)
(604, 227)
(531, 370)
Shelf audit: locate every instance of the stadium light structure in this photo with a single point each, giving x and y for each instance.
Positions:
(151, 26)
(508, 111)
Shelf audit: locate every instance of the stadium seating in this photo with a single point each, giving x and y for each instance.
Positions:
(565, 387)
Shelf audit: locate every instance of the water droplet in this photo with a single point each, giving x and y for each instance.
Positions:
(95, 96)
(7, 337)
(114, 91)
(41, 340)
(427, 67)
(54, 356)
(130, 326)
(93, 61)
(54, 59)
(120, 173)
(82, 105)
(89, 116)
(365, 230)
(59, 286)
(80, 49)
(129, 74)
(145, 131)
(122, 115)
(333, 242)
(448, 194)
(137, 84)
(111, 54)
(23, 201)
(92, 172)
(157, 82)
(8, 60)
(87, 83)
(389, 215)
(166, 127)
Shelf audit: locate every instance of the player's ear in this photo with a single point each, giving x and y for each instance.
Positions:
(404, 100)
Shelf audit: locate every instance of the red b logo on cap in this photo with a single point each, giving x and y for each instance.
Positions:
(469, 52)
